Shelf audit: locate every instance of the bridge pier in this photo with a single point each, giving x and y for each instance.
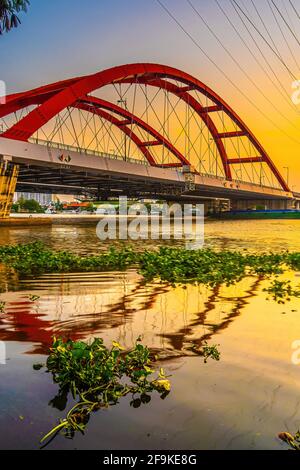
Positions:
(263, 204)
(8, 181)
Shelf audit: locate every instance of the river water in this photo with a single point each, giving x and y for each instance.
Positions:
(241, 402)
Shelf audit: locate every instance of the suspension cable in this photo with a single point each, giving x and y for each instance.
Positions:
(239, 66)
(196, 43)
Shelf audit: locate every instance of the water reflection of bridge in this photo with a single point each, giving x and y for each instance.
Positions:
(174, 322)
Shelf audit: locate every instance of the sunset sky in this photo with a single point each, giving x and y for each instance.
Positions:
(63, 38)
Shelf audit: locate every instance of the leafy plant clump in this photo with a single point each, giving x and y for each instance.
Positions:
(99, 377)
(35, 258)
(2, 306)
(33, 298)
(169, 264)
(207, 351)
(282, 291)
(173, 265)
(211, 352)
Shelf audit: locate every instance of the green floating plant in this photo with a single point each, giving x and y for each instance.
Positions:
(173, 265)
(211, 352)
(33, 298)
(282, 291)
(2, 306)
(99, 377)
(207, 351)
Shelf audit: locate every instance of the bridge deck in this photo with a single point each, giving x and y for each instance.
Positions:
(50, 169)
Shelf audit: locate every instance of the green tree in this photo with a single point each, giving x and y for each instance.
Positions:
(15, 207)
(8, 13)
(32, 206)
(21, 202)
(58, 205)
(91, 207)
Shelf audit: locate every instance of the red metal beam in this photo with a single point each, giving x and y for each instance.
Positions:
(227, 135)
(245, 160)
(185, 89)
(126, 122)
(108, 117)
(152, 143)
(211, 109)
(92, 102)
(194, 104)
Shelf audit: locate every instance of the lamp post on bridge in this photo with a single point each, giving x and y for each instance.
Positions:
(239, 174)
(201, 164)
(212, 140)
(123, 103)
(287, 174)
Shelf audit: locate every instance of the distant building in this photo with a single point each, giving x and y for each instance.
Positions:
(45, 199)
(41, 198)
(64, 198)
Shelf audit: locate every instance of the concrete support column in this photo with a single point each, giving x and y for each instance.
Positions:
(8, 181)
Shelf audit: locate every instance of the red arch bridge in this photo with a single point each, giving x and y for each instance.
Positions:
(141, 130)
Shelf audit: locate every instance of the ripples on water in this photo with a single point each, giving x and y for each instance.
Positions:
(255, 235)
(240, 402)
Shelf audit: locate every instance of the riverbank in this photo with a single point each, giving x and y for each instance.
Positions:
(258, 215)
(31, 220)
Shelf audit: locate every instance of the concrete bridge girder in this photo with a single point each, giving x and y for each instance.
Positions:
(43, 169)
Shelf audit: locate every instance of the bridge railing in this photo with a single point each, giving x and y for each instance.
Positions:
(71, 148)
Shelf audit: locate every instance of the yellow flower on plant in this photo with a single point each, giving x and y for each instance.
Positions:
(118, 346)
(162, 384)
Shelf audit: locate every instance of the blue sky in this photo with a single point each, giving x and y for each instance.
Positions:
(61, 38)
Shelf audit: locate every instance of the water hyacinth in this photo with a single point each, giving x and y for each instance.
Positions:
(99, 377)
(174, 265)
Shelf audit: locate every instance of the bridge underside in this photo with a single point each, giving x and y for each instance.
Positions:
(46, 179)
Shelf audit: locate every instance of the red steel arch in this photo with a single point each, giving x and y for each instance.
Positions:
(93, 104)
(96, 106)
(54, 98)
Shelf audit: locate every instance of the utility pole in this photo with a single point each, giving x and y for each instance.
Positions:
(123, 103)
(287, 174)
(201, 164)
